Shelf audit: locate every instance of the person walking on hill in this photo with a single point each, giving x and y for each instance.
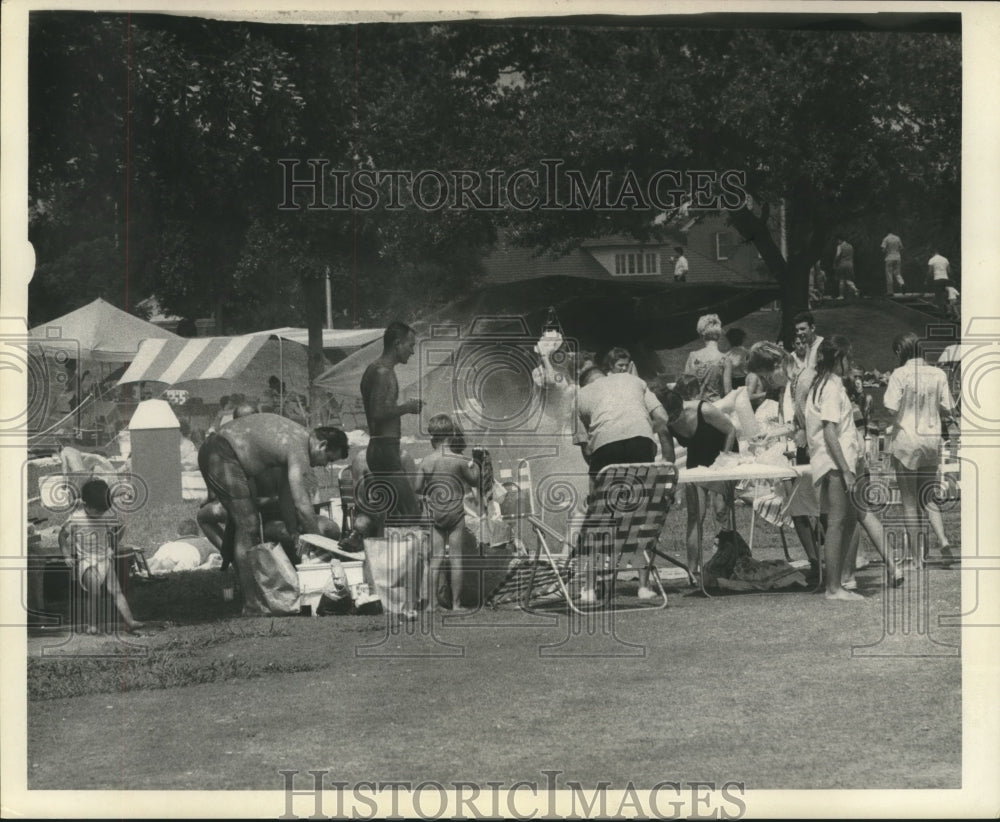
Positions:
(892, 247)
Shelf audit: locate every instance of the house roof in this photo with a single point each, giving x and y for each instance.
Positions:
(511, 263)
(620, 240)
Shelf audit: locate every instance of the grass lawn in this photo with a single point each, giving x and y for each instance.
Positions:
(759, 689)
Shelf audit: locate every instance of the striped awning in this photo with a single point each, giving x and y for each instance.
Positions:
(202, 358)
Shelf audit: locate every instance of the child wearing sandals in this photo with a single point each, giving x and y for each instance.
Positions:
(444, 478)
(89, 539)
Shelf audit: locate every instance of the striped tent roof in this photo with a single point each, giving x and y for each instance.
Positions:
(183, 360)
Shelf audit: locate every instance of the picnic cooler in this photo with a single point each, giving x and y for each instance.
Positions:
(335, 582)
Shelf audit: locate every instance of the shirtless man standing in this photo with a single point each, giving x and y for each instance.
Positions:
(380, 393)
(245, 449)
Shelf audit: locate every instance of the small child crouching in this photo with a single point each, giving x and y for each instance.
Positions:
(88, 540)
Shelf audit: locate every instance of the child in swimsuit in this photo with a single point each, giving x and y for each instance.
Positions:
(89, 539)
(444, 479)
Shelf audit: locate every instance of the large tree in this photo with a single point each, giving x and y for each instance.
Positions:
(187, 129)
(842, 127)
(156, 145)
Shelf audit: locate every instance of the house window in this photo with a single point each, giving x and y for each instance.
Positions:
(636, 263)
(725, 245)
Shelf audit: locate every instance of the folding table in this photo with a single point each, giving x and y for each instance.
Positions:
(745, 471)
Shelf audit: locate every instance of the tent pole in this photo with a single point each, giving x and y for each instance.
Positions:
(79, 399)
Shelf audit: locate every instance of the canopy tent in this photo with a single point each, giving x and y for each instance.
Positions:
(98, 331)
(211, 367)
(955, 353)
(483, 376)
(596, 314)
(480, 347)
(601, 314)
(76, 348)
(333, 338)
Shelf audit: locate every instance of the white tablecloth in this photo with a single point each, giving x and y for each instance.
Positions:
(745, 471)
(789, 490)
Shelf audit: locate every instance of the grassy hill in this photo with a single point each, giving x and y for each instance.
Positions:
(870, 324)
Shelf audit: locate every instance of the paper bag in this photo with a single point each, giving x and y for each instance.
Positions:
(397, 565)
(272, 586)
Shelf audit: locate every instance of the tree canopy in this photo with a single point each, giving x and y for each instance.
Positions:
(847, 129)
(157, 145)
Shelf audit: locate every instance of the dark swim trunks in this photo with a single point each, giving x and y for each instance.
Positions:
(383, 455)
(222, 471)
(385, 463)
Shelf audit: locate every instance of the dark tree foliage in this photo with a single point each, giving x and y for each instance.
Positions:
(155, 144)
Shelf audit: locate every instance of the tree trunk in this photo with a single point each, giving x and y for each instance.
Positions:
(794, 289)
(792, 275)
(756, 229)
(315, 300)
(220, 318)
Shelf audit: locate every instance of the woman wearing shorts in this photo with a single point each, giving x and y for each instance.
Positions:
(833, 455)
(918, 398)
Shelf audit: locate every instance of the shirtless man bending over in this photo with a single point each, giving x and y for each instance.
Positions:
(380, 393)
(245, 449)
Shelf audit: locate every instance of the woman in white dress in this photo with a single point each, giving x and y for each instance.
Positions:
(918, 398)
(835, 453)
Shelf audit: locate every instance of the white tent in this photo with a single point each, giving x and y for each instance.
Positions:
(98, 331)
(333, 338)
(955, 353)
(91, 337)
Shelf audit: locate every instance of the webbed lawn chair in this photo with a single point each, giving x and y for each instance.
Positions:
(626, 511)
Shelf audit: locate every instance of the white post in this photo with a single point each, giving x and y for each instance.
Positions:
(784, 233)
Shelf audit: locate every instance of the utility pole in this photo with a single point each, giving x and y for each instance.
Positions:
(329, 299)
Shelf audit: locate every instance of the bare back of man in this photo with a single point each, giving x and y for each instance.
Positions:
(263, 441)
(264, 447)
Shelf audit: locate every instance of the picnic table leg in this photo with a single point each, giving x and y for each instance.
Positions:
(701, 573)
(784, 543)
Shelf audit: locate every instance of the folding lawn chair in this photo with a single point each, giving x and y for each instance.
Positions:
(133, 562)
(518, 500)
(627, 508)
